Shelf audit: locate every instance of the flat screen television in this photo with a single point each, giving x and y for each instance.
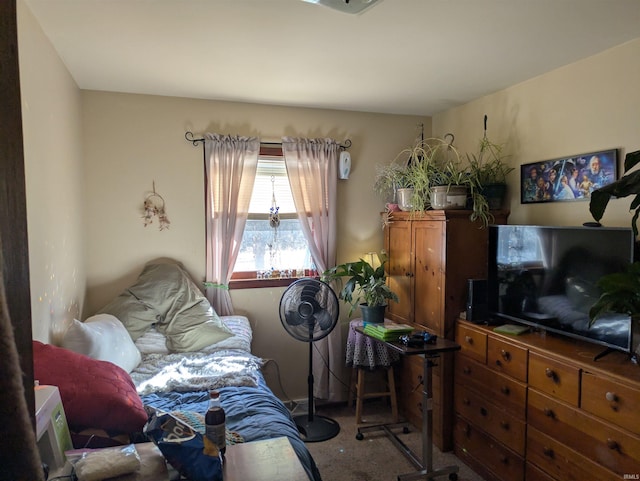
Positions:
(546, 277)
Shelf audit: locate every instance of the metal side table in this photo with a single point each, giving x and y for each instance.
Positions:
(430, 352)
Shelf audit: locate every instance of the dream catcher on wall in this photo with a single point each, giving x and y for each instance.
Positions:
(153, 207)
(274, 223)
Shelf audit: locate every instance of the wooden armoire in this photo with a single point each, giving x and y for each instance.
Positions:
(432, 255)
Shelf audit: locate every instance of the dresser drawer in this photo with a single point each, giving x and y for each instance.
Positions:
(558, 379)
(562, 462)
(533, 473)
(504, 390)
(598, 440)
(612, 401)
(508, 358)
(473, 343)
(494, 420)
(504, 463)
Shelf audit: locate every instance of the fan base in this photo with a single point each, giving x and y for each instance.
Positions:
(320, 428)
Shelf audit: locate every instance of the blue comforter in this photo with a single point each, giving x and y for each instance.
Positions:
(253, 412)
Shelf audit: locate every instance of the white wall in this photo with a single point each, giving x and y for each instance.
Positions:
(52, 131)
(587, 106)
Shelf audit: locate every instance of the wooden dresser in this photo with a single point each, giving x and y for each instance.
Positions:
(537, 407)
(431, 256)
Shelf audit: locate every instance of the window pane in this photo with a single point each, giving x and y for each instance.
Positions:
(271, 177)
(265, 248)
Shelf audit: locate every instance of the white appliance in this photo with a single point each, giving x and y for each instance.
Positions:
(344, 165)
(52, 431)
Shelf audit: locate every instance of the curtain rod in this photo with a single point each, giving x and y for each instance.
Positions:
(190, 138)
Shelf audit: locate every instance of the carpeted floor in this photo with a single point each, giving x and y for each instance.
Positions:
(375, 458)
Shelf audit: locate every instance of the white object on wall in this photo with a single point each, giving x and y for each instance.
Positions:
(344, 165)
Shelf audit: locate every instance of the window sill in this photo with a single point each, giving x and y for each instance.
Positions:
(262, 283)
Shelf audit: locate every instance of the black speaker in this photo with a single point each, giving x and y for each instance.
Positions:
(477, 302)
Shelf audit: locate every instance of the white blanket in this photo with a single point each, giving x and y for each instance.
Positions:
(195, 371)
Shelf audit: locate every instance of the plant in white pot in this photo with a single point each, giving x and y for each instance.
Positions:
(441, 179)
(366, 286)
(392, 184)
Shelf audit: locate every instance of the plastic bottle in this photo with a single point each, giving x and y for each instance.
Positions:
(215, 422)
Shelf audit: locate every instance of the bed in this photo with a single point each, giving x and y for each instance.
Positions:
(160, 345)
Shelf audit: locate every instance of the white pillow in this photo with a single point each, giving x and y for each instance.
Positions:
(152, 342)
(105, 338)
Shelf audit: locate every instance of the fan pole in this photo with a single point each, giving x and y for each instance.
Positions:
(310, 382)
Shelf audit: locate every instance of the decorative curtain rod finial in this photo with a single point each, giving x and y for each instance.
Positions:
(189, 136)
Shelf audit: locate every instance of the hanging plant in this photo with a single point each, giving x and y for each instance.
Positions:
(153, 206)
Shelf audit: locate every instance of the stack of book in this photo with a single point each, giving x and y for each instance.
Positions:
(387, 331)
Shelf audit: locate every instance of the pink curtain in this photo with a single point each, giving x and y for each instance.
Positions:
(312, 168)
(230, 166)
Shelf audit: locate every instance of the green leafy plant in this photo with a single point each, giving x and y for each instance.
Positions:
(365, 284)
(488, 166)
(390, 178)
(433, 162)
(620, 293)
(628, 184)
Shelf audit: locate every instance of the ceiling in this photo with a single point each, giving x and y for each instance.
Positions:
(415, 57)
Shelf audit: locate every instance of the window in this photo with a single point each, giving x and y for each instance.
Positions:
(268, 253)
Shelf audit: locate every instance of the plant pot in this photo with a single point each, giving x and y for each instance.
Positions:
(495, 194)
(373, 315)
(449, 197)
(404, 198)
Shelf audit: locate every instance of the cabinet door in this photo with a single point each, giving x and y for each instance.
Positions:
(428, 240)
(400, 270)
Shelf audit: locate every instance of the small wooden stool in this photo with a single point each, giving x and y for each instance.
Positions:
(364, 354)
(358, 387)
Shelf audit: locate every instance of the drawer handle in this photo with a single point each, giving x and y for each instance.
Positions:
(612, 444)
(506, 355)
(483, 411)
(466, 370)
(466, 401)
(611, 397)
(551, 374)
(504, 459)
(468, 339)
(549, 413)
(548, 452)
(504, 425)
(498, 362)
(505, 390)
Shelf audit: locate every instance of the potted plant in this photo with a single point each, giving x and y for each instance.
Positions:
(620, 291)
(489, 170)
(628, 184)
(441, 180)
(393, 184)
(366, 286)
(435, 163)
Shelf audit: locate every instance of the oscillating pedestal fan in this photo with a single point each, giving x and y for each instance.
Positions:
(309, 312)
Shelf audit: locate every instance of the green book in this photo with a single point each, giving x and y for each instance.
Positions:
(512, 329)
(387, 331)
